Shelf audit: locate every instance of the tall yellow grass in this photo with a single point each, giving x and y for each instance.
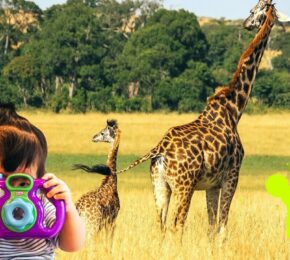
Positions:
(256, 228)
(71, 134)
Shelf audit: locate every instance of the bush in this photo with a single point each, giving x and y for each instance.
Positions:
(270, 85)
(256, 106)
(59, 100)
(9, 93)
(136, 104)
(35, 101)
(282, 101)
(188, 105)
(101, 100)
(79, 101)
(166, 96)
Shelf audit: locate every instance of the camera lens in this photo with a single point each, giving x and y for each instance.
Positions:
(18, 213)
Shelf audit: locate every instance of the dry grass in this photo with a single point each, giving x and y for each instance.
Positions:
(256, 228)
(140, 132)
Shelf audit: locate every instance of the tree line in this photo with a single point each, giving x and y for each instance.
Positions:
(105, 55)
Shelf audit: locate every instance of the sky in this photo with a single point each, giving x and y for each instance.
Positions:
(229, 9)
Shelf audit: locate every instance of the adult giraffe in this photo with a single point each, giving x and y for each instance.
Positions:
(207, 153)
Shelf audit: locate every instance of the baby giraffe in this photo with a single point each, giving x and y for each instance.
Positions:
(100, 207)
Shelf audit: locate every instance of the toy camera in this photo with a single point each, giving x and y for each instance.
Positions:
(22, 211)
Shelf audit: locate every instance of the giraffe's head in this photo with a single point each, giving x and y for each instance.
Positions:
(107, 134)
(258, 15)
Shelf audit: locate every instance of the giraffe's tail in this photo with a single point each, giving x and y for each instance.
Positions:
(99, 168)
(152, 154)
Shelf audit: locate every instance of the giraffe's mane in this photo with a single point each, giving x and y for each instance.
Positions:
(227, 90)
(220, 91)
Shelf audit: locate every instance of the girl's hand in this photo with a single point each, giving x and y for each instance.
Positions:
(59, 190)
(72, 235)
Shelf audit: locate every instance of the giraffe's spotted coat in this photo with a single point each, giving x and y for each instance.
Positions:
(100, 207)
(206, 154)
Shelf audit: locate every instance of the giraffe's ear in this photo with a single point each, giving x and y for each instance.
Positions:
(112, 123)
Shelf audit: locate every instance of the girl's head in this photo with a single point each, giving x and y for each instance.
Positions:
(9, 117)
(20, 151)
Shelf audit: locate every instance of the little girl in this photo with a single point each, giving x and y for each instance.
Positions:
(22, 152)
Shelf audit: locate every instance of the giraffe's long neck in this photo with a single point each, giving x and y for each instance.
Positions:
(112, 156)
(237, 94)
(110, 182)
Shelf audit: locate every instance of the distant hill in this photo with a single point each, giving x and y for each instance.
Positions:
(21, 20)
(203, 20)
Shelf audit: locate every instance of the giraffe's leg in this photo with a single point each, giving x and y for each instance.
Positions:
(162, 194)
(212, 200)
(181, 207)
(109, 235)
(182, 185)
(227, 192)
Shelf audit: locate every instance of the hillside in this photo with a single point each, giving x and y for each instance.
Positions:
(203, 20)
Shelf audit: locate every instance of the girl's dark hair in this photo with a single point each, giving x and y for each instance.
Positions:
(19, 149)
(9, 117)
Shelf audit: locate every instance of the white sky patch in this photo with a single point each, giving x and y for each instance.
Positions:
(229, 9)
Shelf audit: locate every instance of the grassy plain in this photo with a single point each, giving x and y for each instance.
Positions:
(256, 228)
(266, 134)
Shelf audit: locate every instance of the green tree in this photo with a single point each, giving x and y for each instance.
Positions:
(9, 92)
(13, 28)
(227, 42)
(15, 31)
(160, 51)
(273, 88)
(71, 45)
(281, 42)
(77, 48)
(187, 92)
(21, 71)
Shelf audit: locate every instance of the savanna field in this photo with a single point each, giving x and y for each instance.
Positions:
(256, 227)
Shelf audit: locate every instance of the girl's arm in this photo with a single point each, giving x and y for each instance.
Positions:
(72, 235)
